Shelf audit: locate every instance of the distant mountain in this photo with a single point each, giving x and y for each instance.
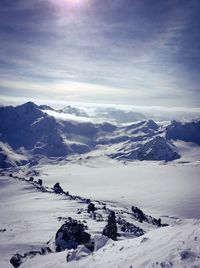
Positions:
(46, 107)
(29, 128)
(156, 148)
(73, 110)
(119, 116)
(28, 133)
(136, 132)
(189, 132)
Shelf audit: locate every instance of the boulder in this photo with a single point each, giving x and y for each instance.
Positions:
(40, 182)
(57, 188)
(87, 201)
(138, 214)
(91, 208)
(84, 238)
(16, 260)
(110, 229)
(70, 235)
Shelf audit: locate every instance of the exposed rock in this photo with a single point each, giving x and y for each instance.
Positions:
(140, 216)
(138, 213)
(188, 255)
(87, 201)
(91, 208)
(16, 260)
(110, 229)
(40, 182)
(84, 238)
(57, 188)
(31, 179)
(128, 227)
(70, 235)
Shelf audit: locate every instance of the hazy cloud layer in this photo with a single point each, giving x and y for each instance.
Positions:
(123, 51)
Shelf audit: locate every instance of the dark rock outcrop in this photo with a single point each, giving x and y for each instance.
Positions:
(16, 260)
(138, 214)
(91, 208)
(40, 182)
(57, 188)
(110, 229)
(70, 235)
(128, 227)
(31, 179)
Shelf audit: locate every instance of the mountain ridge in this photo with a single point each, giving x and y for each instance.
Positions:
(29, 129)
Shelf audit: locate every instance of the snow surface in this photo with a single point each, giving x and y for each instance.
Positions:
(31, 218)
(157, 188)
(73, 151)
(174, 246)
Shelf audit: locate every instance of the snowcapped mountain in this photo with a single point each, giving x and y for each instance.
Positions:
(28, 127)
(73, 110)
(156, 148)
(189, 131)
(30, 133)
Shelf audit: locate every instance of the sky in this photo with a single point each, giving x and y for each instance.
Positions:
(126, 52)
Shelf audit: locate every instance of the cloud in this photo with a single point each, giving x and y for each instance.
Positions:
(118, 51)
(69, 117)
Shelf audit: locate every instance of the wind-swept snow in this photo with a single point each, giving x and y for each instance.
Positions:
(30, 218)
(173, 246)
(157, 188)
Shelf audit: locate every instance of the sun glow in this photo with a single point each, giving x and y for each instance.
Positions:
(76, 3)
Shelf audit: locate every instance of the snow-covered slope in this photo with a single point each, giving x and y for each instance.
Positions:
(27, 206)
(156, 148)
(172, 246)
(9, 158)
(31, 217)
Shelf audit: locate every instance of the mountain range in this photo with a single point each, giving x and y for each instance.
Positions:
(28, 133)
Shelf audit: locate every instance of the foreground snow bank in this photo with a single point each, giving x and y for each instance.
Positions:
(173, 246)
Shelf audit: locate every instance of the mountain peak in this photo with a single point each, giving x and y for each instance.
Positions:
(151, 124)
(27, 107)
(28, 104)
(73, 110)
